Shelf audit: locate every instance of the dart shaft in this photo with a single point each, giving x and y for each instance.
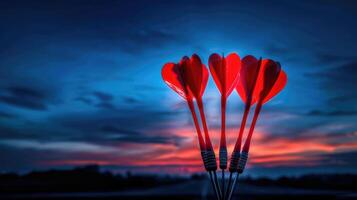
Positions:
(218, 187)
(229, 183)
(223, 185)
(236, 152)
(204, 124)
(213, 183)
(223, 146)
(223, 122)
(242, 127)
(210, 157)
(251, 130)
(245, 151)
(197, 126)
(233, 187)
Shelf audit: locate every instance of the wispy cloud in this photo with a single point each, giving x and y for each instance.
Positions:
(59, 146)
(25, 97)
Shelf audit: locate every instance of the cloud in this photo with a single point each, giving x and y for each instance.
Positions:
(338, 79)
(102, 96)
(278, 50)
(339, 84)
(25, 97)
(342, 99)
(106, 105)
(5, 115)
(24, 103)
(85, 100)
(129, 117)
(125, 135)
(63, 146)
(98, 99)
(138, 41)
(329, 58)
(332, 113)
(130, 100)
(134, 125)
(340, 159)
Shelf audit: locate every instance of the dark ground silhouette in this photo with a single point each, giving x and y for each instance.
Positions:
(90, 183)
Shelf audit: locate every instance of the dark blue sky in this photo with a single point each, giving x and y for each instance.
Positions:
(80, 83)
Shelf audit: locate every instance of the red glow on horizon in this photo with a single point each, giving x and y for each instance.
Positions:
(184, 157)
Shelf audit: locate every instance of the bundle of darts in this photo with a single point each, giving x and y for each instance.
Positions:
(256, 82)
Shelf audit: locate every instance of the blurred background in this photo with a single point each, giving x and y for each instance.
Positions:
(84, 111)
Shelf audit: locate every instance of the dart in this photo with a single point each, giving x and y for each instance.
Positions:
(249, 72)
(195, 76)
(248, 78)
(225, 73)
(189, 78)
(270, 81)
(172, 75)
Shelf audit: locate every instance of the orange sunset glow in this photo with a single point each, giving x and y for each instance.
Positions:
(267, 151)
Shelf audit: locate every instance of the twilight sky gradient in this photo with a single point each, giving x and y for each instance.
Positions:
(80, 83)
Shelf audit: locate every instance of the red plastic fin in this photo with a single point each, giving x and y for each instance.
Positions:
(205, 76)
(233, 66)
(278, 86)
(172, 77)
(241, 92)
(216, 67)
(248, 76)
(270, 72)
(193, 74)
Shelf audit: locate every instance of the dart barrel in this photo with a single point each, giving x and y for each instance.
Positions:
(209, 160)
(233, 166)
(223, 158)
(242, 161)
